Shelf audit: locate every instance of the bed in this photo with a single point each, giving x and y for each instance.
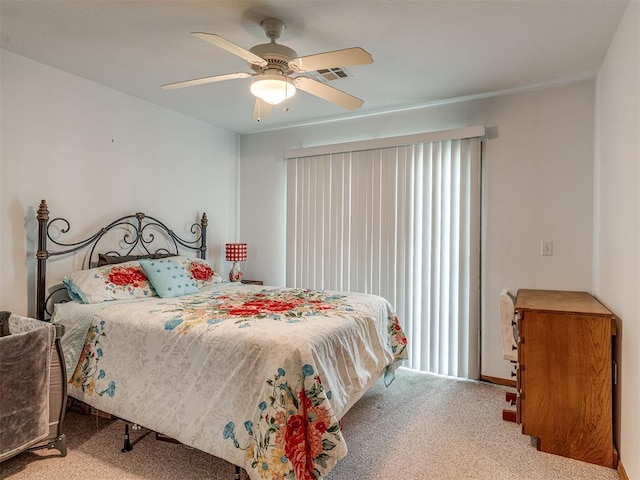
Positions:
(256, 375)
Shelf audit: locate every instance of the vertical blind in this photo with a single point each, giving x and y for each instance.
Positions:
(401, 222)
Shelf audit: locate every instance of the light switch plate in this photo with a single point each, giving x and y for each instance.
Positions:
(546, 248)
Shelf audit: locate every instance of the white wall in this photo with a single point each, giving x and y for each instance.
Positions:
(95, 154)
(539, 175)
(617, 219)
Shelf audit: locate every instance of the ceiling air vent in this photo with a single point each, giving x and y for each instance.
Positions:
(329, 74)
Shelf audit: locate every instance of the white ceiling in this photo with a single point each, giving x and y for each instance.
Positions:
(424, 51)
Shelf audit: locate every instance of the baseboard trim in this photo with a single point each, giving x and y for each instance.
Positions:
(621, 471)
(498, 381)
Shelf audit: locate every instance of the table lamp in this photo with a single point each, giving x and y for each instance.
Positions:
(236, 252)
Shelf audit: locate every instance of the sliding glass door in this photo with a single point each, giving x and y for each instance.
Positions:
(402, 222)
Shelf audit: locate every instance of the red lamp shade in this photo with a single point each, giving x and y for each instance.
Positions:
(236, 252)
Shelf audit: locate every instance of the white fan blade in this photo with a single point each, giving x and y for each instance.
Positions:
(205, 80)
(330, 94)
(231, 47)
(338, 58)
(261, 110)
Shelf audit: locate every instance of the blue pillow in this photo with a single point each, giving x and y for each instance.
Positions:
(74, 292)
(168, 278)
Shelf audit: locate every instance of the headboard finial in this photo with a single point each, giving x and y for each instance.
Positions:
(204, 222)
(43, 211)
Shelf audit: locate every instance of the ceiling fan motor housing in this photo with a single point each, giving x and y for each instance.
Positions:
(276, 55)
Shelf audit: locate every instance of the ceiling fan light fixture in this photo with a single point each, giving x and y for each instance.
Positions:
(273, 88)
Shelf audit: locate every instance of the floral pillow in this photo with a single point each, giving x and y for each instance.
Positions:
(111, 282)
(199, 270)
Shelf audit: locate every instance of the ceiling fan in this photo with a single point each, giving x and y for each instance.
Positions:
(278, 71)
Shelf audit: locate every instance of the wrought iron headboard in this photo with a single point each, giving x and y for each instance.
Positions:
(139, 236)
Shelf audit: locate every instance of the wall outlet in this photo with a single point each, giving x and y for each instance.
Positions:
(546, 248)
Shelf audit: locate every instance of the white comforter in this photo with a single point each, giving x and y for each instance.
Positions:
(255, 375)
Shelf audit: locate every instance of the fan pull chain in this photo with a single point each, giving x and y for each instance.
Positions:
(285, 108)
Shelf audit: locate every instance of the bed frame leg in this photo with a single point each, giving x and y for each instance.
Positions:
(127, 443)
(60, 444)
(237, 477)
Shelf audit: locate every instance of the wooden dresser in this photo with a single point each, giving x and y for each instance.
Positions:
(565, 374)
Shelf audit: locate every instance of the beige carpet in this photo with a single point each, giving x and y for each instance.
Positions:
(421, 427)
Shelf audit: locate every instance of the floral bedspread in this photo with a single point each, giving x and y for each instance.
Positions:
(255, 375)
